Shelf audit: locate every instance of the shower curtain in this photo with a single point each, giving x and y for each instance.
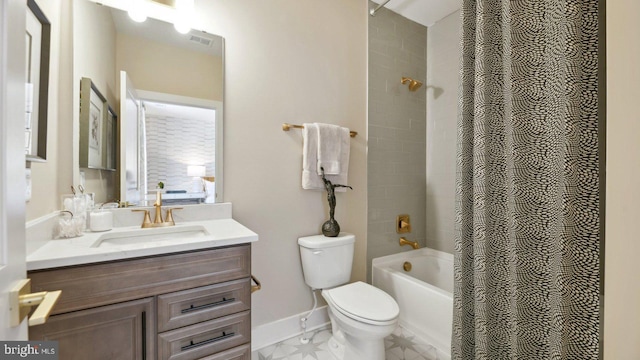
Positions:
(527, 210)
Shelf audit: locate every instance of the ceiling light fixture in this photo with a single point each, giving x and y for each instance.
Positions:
(184, 13)
(137, 11)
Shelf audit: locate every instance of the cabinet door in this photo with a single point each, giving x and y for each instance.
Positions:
(120, 331)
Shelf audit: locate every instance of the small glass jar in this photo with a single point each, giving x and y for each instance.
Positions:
(101, 219)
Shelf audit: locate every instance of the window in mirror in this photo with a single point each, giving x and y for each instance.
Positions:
(178, 138)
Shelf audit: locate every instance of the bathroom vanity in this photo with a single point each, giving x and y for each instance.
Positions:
(175, 298)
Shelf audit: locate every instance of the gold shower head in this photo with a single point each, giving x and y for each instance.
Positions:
(414, 85)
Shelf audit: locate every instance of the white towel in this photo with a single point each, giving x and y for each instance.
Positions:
(311, 178)
(329, 148)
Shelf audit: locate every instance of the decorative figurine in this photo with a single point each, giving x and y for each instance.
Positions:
(331, 228)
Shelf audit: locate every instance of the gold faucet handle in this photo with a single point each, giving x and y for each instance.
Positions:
(169, 217)
(147, 218)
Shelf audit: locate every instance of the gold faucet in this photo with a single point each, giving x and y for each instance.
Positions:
(414, 244)
(158, 222)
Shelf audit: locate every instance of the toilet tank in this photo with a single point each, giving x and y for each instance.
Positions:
(326, 261)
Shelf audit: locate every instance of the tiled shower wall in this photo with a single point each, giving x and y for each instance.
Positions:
(442, 105)
(173, 144)
(397, 132)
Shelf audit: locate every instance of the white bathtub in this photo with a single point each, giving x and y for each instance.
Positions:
(424, 294)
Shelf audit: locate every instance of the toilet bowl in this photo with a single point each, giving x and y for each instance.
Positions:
(361, 317)
(361, 314)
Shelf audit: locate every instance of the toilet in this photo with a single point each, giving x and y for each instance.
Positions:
(361, 315)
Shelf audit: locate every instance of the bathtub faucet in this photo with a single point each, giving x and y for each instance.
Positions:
(414, 244)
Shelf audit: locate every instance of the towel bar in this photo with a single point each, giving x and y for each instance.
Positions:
(257, 286)
(287, 127)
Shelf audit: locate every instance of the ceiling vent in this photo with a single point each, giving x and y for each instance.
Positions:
(201, 40)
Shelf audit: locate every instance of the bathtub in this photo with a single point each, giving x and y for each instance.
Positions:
(424, 293)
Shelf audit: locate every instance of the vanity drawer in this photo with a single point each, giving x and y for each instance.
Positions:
(107, 283)
(192, 306)
(238, 353)
(205, 338)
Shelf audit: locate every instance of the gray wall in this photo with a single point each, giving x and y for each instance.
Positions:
(443, 54)
(397, 132)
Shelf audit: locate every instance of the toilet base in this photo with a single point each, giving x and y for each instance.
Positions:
(350, 348)
(336, 348)
(353, 344)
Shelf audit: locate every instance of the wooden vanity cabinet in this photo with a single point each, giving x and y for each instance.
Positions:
(189, 305)
(120, 331)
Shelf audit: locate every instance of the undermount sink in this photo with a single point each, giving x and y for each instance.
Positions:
(141, 236)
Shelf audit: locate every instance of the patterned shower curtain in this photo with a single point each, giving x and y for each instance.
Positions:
(527, 224)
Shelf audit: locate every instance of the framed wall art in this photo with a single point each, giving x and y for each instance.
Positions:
(110, 131)
(97, 128)
(38, 47)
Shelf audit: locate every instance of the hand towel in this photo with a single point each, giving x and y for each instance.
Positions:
(343, 177)
(311, 179)
(329, 148)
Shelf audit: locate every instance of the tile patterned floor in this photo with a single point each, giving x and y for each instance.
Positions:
(400, 345)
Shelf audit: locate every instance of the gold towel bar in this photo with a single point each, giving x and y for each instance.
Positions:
(257, 286)
(287, 127)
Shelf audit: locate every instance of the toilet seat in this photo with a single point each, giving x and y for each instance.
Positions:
(363, 302)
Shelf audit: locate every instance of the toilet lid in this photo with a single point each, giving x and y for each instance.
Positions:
(364, 302)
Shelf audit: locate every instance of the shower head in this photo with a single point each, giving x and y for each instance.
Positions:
(414, 85)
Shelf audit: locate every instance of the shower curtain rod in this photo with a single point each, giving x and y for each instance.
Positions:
(372, 12)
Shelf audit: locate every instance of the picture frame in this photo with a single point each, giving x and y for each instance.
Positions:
(38, 49)
(96, 108)
(98, 131)
(111, 129)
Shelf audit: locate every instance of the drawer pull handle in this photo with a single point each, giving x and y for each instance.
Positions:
(193, 345)
(205, 306)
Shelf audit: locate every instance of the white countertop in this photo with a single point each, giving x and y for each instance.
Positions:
(84, 249)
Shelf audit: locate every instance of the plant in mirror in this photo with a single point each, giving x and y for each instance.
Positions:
(169, 87)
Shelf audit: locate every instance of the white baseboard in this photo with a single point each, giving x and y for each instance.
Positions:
(283, 329)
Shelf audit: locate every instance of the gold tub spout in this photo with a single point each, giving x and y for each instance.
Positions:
(414, 244)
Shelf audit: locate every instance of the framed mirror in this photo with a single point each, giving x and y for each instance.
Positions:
(182, 74)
